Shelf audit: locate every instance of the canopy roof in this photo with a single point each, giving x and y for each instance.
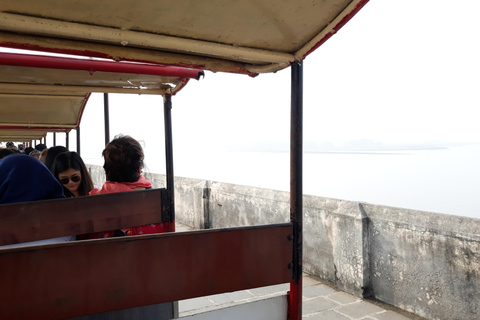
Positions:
(21, 135)
(40, 94)
(240, 36)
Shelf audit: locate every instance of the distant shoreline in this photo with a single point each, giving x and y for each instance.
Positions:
(355, 149)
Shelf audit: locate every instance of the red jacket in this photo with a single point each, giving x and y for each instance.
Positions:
(114, 187)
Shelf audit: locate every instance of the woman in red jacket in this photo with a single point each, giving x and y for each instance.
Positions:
(123, 168)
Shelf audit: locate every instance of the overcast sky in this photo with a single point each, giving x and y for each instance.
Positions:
(399, 71)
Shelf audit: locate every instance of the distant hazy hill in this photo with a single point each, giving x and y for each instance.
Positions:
(347, 146)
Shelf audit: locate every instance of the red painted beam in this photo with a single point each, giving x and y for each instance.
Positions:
(37, 61)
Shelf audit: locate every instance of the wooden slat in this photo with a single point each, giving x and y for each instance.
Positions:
(38, 220)
(72, 279)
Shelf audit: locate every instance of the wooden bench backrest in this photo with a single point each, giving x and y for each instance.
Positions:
(85, 277)
(39, 220)
(77, 278)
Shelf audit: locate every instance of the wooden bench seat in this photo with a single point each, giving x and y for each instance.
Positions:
(72, 279)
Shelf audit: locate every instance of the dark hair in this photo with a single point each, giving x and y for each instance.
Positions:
(5, 152)
(28, 150)
(123, 158)
(53, 152)
(40, 147)
(67, 160)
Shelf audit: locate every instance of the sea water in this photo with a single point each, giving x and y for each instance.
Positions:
(438, 180)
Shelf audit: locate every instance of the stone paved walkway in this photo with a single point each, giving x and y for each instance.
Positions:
(320, 301)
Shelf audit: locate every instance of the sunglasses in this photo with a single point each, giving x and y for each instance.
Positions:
(73, 178)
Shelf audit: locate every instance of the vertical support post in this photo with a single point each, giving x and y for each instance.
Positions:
(78, 140)
(170, 205)
(54, 139)
(296, 189)
(67, 140)
(106, 118)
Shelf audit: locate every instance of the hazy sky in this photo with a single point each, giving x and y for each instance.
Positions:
(398, 71)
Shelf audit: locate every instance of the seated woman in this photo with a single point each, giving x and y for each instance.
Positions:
(123, 167)
(70, 171)
(24, 178)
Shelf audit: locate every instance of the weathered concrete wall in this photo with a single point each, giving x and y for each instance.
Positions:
(233, 205)
(425, 263)
(191, 198)
(422, 262)
(97, 174)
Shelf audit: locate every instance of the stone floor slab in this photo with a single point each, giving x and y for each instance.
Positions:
(390, 315)
(308, 281)
(343, 298)
(317, 305)
(327, 315)
(317, 291)
(359, 309)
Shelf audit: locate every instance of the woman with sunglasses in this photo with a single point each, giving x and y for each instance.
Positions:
(71, 172)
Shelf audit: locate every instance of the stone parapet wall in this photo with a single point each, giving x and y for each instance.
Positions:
(422, 262)
(426, 263)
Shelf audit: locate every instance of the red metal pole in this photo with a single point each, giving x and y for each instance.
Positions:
(296, 191)
(27, 60)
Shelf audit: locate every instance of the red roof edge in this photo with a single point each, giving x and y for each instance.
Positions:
(339, 25)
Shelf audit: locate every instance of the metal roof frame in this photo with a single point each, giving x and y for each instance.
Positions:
(50, 93)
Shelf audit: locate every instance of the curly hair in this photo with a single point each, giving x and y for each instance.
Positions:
(123, 159)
